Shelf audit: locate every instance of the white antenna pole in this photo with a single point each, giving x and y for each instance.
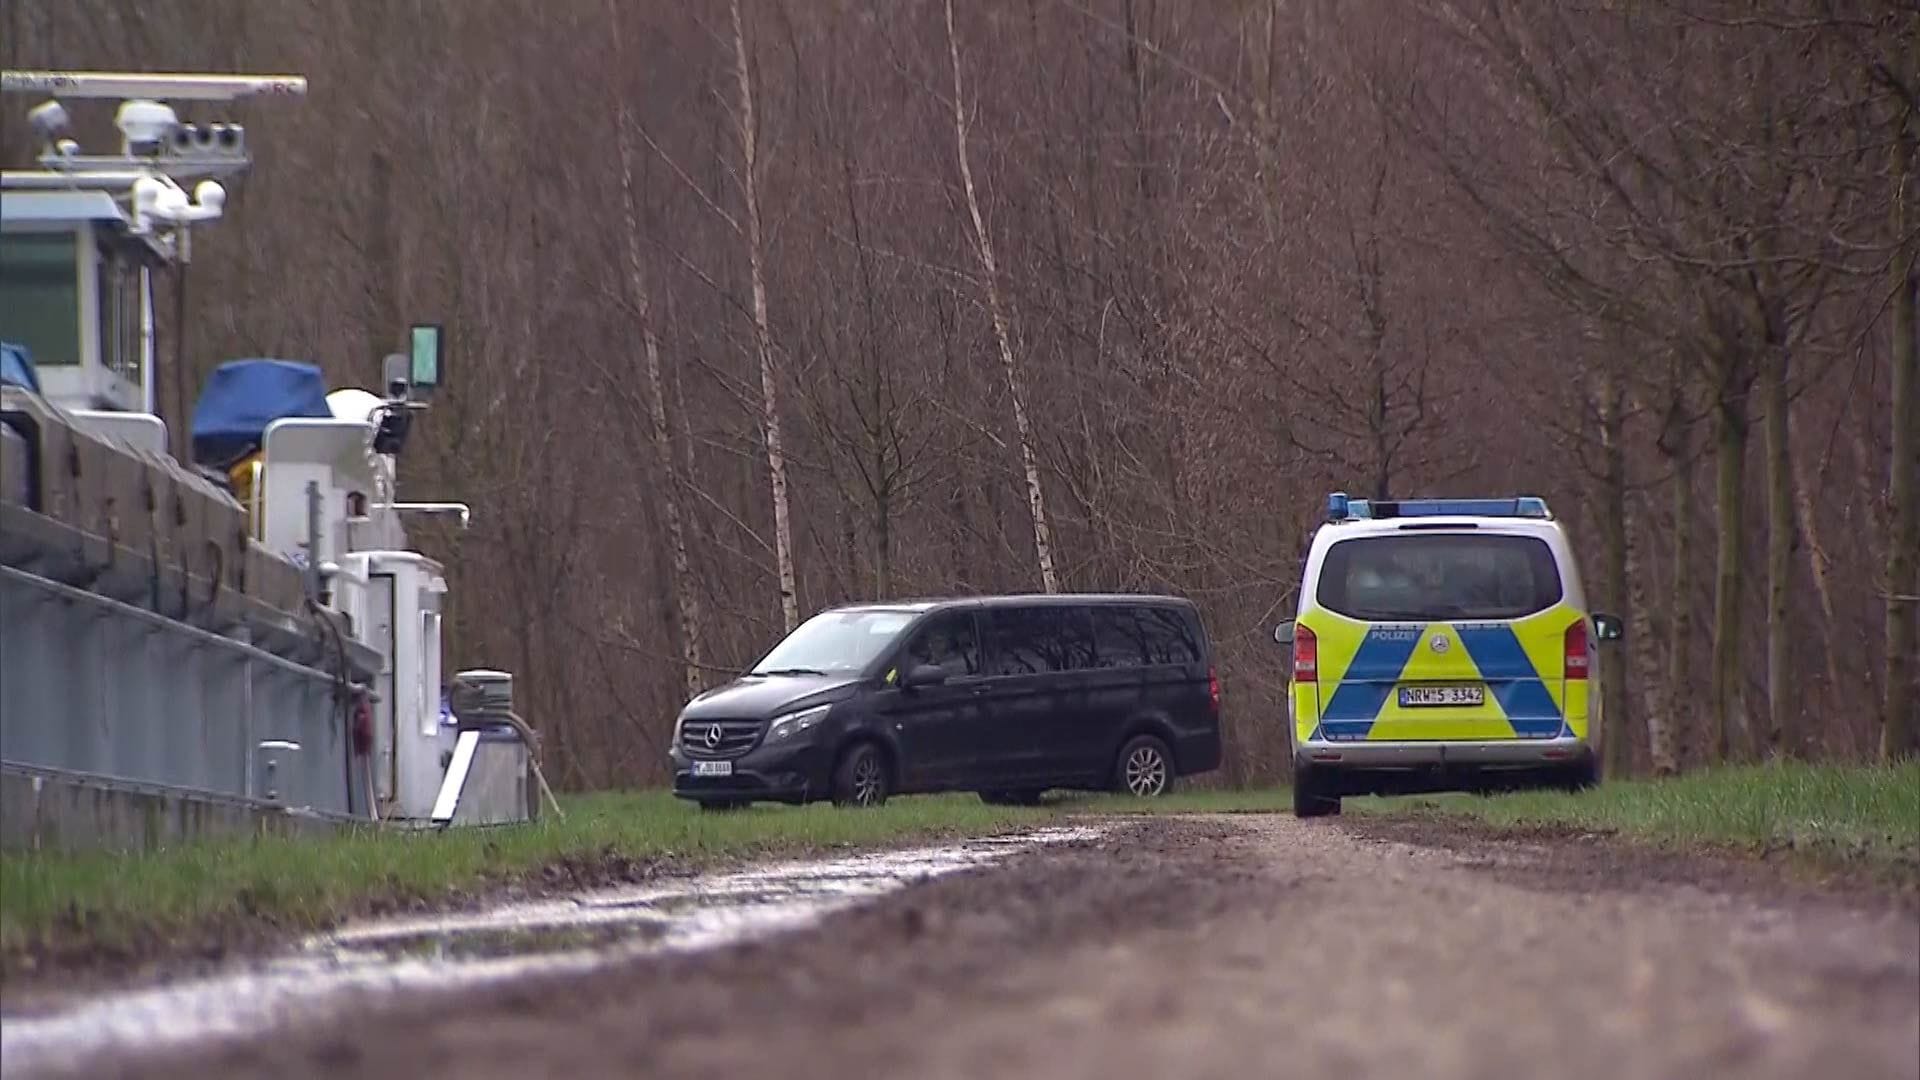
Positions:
(124, 85)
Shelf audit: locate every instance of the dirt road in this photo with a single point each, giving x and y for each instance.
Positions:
(1224, 947)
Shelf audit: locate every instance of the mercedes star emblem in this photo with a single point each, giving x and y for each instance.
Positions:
(1440, 645)
(713, 736)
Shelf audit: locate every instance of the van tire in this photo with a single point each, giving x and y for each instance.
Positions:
(1309, 795)
(862, 778)
(1144, 768)
(1582, 775)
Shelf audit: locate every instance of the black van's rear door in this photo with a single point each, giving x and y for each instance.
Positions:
(1151, 665)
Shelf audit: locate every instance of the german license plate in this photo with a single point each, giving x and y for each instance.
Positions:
(1414, 697)
(713, 768)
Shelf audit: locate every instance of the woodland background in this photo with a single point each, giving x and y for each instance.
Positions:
(745, 317)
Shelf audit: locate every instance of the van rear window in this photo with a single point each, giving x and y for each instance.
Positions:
(1047, 638)
(1439, 576)
(1136, 636)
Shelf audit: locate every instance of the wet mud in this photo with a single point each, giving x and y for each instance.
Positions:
(392, 961)
(1205, 947)
(1564, 858)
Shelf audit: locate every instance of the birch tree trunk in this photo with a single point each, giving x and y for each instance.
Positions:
(1644, 654)
(762, 333)
(1820, 566)
(686, 600)
(996, 309)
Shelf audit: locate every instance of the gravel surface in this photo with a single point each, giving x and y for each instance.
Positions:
(1223, 947)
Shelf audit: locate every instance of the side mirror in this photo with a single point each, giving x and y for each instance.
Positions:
(1608, 628)
(925, 675)
(1283, 634)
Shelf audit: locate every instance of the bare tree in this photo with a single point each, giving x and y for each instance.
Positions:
(1229, 259)
(997, 313)
(1609, 407)
(1900, 713)
(763, 335)
(749, 133)
(686, 600)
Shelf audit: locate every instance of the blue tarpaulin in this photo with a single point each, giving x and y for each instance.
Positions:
(244, 396)
(16, 367)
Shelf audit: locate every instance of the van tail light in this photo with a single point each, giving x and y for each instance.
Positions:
(1213, 688)
(1306, 655)
(1577, 658)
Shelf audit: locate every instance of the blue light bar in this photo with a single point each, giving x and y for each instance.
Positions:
(1341, 508)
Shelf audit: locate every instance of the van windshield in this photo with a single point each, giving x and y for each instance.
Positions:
(834, 643)
(1435, 576)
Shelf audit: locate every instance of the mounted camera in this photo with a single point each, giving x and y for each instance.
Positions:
(408, 376)
(145, 126)
(396, 416)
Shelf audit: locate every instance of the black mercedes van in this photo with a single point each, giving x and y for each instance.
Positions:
(1006, 696)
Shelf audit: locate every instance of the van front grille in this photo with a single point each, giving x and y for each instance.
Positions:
(719, 738)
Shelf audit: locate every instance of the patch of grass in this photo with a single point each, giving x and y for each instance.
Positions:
(308, 882)
(1826, 811)
(298, 883)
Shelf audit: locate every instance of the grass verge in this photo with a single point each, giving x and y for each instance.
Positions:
(143, 903)
(113, 901)
(1828, 812)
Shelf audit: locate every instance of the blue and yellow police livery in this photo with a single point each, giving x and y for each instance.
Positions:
(1441, 644)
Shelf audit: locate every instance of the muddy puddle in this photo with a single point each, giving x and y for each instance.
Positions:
(429, 956)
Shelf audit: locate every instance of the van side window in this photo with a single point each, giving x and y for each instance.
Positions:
(1031, 641)
(1078, 650)
(949, 642)
(1117, 637)
(1167, 635)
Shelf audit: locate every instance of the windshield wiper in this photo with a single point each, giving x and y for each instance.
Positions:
(791, 671)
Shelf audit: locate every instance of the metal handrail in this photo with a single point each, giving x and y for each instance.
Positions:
(108, 603)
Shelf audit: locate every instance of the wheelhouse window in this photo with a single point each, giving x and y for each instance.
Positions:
(119, 309)
(40, 296)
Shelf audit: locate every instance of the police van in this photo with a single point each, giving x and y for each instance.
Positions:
(1441, 645)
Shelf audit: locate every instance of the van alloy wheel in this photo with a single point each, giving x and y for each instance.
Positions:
(868, 786)
(862, 778)
(1144, 769)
